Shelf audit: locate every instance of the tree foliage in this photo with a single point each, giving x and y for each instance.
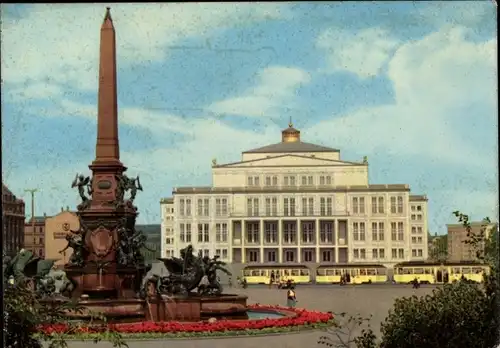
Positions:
(25, 311)
(455, 316)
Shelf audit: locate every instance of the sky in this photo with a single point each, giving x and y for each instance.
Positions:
(411, 85)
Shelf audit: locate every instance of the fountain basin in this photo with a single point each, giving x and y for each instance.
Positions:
(195, 308)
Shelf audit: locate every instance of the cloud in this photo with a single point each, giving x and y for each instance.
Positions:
(477, 204)
(362, 53)
(437, 81)
(187, 162)
(67, 52)
(276, 85)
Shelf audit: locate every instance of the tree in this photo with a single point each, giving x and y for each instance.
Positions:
(24, 312)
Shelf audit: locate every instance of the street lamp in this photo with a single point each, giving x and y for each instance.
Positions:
(32, 192)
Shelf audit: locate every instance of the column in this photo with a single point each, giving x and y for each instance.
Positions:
(299, 241)
(316, 239)
(243, 236)
(336, 232)
(336, 239)
(261, 240)
(280, 240)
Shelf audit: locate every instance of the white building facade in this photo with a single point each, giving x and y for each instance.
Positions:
(296, 202)
(167, 227)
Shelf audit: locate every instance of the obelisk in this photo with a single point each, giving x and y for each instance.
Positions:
(107, 149)
(106, 167)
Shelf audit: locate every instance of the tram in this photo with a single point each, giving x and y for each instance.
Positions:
(439, 273)
(261, 274)
(358, 273)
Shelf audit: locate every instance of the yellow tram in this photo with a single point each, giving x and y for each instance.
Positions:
(439, 273)
(261, 274)
(358, 273)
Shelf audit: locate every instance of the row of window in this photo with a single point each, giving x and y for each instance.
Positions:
(289, 206)
(379, 253)
(203, 207)
(203, 233)
(308, 232)
(222, 253)
(416, 217)
(288, 256)
(252, 233)
(359, 233)
(290, 180)
(307, 208)
(378, 205)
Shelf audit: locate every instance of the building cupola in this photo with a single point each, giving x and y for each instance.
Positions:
(290, 135)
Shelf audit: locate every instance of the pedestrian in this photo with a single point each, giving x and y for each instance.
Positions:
(271, 280)
(291, 298)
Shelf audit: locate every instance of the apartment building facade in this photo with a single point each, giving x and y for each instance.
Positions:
(296, 202)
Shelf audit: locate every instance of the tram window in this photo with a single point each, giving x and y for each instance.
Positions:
(295, 272)
(466, 270)
(304, 272)
(338, 272)
(247, 273)
(455, 270)
(371, 272)
(354, 272)
(329, 272)
(399, 271)
(255, 273)
(407, 271)
(320, 272)
(381, 271)
(264, 273)
(286, 272)
(477, 270)
(418, 270)
(427, 271)
(362, 272)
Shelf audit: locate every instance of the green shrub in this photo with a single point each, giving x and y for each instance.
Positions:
(454, 316)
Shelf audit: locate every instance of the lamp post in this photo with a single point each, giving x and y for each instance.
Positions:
(32, 191)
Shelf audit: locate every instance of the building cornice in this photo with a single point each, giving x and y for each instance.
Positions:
(295, 189)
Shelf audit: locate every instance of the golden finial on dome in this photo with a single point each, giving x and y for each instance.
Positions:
(290, 135)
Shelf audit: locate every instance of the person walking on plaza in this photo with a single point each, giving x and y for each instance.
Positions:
(291, 299)
(271, 280)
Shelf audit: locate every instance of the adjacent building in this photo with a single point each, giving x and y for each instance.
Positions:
(167, 238)
(458, 250)
(56, 229)
(34, 235)
(296, 202)
(13, 216)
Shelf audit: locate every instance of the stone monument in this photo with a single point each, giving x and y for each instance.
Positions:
(106, 263)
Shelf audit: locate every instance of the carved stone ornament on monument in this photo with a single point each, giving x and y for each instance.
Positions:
(65, 226)
(102, 241)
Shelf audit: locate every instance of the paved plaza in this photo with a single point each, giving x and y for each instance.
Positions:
(366, 300)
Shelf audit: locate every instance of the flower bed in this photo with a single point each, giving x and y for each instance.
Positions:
(301, 319)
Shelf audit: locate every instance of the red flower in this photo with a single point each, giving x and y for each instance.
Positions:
(301, 317)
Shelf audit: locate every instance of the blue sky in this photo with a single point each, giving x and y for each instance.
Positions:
(411, 85)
